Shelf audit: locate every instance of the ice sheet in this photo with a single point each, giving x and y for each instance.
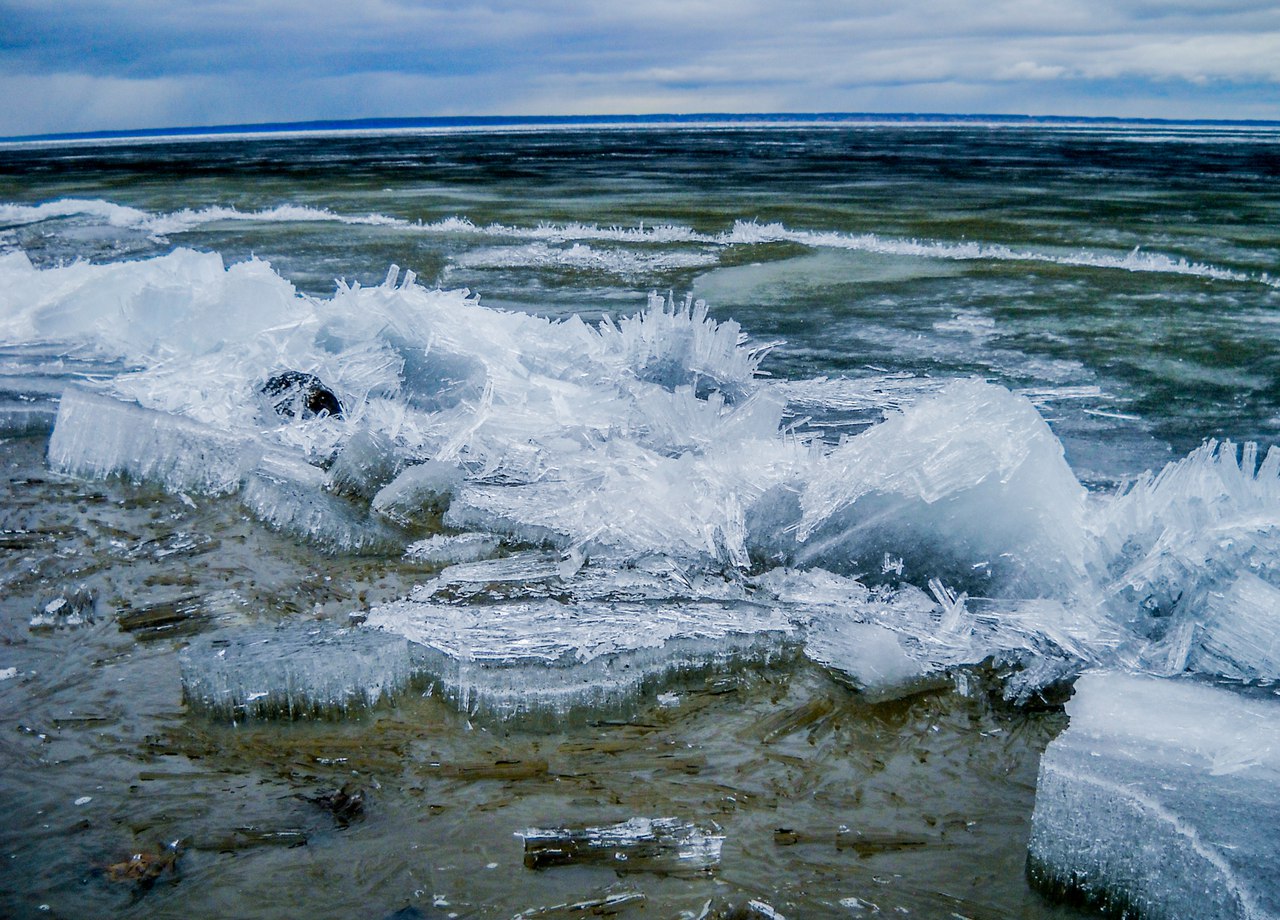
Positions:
(543, 660)
(295, 671)
(97, 435)
(1162, 798)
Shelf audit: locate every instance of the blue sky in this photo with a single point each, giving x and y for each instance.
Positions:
(77, 65)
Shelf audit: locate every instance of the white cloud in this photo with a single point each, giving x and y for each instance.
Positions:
(133, 63)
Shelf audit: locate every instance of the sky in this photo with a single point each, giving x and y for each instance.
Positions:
(83, 65)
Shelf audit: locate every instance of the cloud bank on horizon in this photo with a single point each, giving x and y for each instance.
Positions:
(82, 65)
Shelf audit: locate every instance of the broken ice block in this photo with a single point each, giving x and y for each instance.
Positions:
(871, 659)
(289, 494)
(452, 549)
(97, 435)
(19, 418)
(72, 607)
(1238, 638)
(295, 671)
(419, 491)
(1161, 799)
(543, 659)
(666, 845)
(969, 485)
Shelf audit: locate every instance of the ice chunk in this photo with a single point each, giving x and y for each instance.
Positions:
(451, 549)
(1162, 799)
(21, 418)
(968, 485)
(419, 491)
(72, 607)
(295, 671)
(289, 494)
(666, 845)
(1191, 562)
(98, 435)
(871, 659)
(1239, 637)
(366, 463)
(546, 660)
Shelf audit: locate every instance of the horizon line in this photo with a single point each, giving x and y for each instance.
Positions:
(500, 121)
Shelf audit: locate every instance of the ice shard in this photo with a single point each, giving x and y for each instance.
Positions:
(294, 671)
(97, 435)
(968, 485)
(547, 661)
(289, 494)
(1161, 800)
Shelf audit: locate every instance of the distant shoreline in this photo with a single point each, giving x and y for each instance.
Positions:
(451, 124)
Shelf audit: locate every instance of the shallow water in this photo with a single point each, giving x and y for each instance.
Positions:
(1124, 280)
(944, 783)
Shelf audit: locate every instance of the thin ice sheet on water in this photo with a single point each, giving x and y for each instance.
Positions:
(1162, 799)
(297, 670)
(529, 658)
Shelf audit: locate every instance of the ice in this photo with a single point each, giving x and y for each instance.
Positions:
(1190, 560)
(871, 658)
(924, 486)
(418, 492)
(97, 436)
(1238, 637)
(71, 607)
(294, 671)
(1162, 799)
(289, 494)
(666, 845)
(451, 549)
(546, 661)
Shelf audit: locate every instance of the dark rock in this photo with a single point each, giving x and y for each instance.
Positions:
(293, 394)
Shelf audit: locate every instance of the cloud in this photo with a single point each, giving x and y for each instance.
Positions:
(134, 63)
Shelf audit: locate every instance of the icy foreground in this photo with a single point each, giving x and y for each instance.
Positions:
(951, 533)
(1162, 799)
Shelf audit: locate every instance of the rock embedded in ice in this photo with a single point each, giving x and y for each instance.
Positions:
(666, 845)
(98, 435)
(294, 394)
(547, 661)
(1161, 799)
(295, 671)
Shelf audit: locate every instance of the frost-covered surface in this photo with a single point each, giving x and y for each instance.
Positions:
(305, 670)
(1162, 799)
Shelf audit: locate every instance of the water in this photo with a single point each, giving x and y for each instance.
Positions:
(1123, 279)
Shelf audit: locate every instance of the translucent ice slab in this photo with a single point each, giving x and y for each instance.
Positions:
(548, 660)
(289, 494)
(296, 671)
(97, 435)
(1162, 799)
(968, 485)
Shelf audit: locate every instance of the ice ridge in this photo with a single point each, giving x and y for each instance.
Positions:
(743, 233)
